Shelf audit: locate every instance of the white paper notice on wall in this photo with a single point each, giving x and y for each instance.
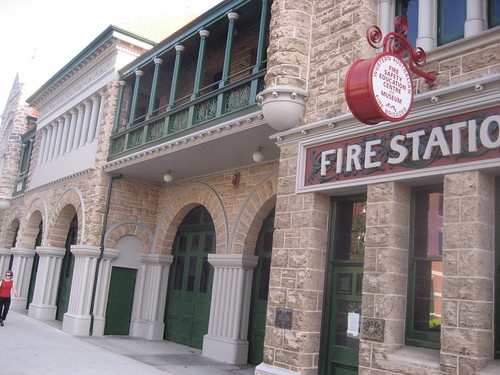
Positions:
(353, 324)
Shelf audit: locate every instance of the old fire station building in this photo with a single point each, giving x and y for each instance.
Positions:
(217, 188)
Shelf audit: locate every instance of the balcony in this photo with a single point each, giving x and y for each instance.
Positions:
(205, 74)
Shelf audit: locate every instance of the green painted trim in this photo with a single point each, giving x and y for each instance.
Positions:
(103, 38)
(212, 16)
(152, 95)
(175, 78)
(133, 104)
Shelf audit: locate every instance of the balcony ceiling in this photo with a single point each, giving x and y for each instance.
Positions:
(227, 146)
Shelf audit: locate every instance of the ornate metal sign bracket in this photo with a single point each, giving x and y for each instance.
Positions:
(396, 43)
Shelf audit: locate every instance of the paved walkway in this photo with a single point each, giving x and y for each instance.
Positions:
(30, 346)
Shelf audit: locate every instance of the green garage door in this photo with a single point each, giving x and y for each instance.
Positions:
(66, 276)
(260, 289)
(190, 285)
(120, 301)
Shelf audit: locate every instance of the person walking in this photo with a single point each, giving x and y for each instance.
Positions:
(5, 287)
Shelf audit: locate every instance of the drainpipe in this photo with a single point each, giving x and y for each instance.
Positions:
(101, 254)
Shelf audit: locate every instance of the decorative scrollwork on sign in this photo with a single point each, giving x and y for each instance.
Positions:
(396, 42)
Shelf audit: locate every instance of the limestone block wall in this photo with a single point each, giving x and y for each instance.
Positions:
(468, 279)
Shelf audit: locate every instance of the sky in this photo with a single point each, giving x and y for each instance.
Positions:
(41, 36)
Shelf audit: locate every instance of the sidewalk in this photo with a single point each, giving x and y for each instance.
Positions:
(30, 346)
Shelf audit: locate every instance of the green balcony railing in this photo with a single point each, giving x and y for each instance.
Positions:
(188, 117)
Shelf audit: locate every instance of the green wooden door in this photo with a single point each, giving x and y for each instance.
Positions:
(120, 301)
(190, 285)
(343, 290)
(34, 268)
(66, 275)
(260, 289)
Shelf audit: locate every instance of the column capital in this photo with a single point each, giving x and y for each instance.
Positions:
(233, 260)
(122, 83)
(67, 116)
(233, 16)
(204, 33)
(157, 60)
(139, 73)
(47, 251)
(160, 259)
(179, 48)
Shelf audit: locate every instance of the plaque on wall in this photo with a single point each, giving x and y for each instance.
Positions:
(284, 318)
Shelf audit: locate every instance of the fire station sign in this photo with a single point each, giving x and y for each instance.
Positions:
(471, 139)
(379, 89)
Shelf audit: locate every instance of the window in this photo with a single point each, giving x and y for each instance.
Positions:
(409, 9)
(425, 268)
(24, 162)
(451, 20)
(493, 13)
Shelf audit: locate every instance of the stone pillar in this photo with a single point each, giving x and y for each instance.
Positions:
(468, 272)
(60, 125)
(64, 140)
(4, 262)
(475, 22)
(426, 25)
(79, 126)
(297, 274)
(77, 319)
(47, 283)
(72, 129)
(226, 340)
(43, 145)
(86, 122)
(96, 99)
(52, 146)
(100, 115)
(23, 263)
(385, 269)
(101, 297)
(48, 144)
(150, 297)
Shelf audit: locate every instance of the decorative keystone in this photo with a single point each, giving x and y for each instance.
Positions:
(283, 106)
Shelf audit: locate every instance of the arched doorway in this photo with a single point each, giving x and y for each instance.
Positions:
(260, 289)
(190, 283)
(66, 276)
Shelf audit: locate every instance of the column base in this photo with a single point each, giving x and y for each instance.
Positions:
(147, 330)
(42, 312)
(18, 304)
(265, 369)
(76, 325)
(226, 350)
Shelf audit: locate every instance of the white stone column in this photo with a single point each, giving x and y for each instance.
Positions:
(150, 296)
(79, 126)
(101, 114)
(101, 297)
(86, 122)
(226, 339)
(427, 17)
(23, 263)
(65, 134)
(474, 20)
(72, 129)
(47, 282)
(77, 319)
(94, 117)
(48, 144)
(43, 146)
(386, 16)
(4, 261)
(52, 141)
(60, 126)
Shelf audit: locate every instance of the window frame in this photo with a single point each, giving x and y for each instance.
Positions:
(413, 337)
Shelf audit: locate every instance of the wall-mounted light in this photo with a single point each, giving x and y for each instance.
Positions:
(235, 180)
(167, 177)
(258, 156)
